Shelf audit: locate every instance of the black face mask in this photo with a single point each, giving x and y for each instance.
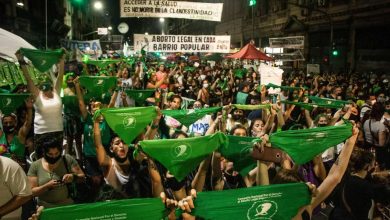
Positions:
(118, 159)
(51, 160)
(321, 125)
(70, 84)
(8, 129)
(237, 117)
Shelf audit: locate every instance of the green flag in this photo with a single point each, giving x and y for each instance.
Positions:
(10, 102)
(181, 156)
(238, 150)
(140, 96)
(43, 60)
(101, 63)
(326, 101)
(128, 123)
(303, 145)
(189, 69)
(97, 86)
(151, 208)
(188, 117)
(289, 88)
(279, 202)
(252, 107)
(310, 106)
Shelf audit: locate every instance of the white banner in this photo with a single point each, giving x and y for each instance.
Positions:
(182, 43)
(91, 47)
(270, 74)
(313, 69)
(171, 9)
(294, 56)
(297, 42)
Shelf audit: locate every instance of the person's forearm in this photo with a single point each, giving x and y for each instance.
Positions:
(341, 163)
(30, 84)
(13, 204)
(100, 151)
(60, 77)
(262, 174)
(36, 191)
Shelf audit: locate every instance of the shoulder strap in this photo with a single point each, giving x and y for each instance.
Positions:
(345, 202)
(65, 163)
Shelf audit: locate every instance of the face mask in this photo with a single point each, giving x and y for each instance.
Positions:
(70, 84)
(118, 159)
(174, 184)
(237, 117)
(388, 111)
(51, 160)
(321, 125)
(205, 85)
(8, 129)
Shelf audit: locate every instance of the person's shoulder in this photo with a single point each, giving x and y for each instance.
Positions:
(8, 163)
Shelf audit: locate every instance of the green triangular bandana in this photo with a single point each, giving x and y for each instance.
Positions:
(326, 101)
(289, 88)
(128, 123)
(239, 73)
(238, 150)
(101, 63)
(310, 106)
(41, 59)
(98, 85)
(181, 156)
(10, 102)
(279, 201)
(140, 96)
(303, 145)
(188, 117)
(251, 107)
(150, 208)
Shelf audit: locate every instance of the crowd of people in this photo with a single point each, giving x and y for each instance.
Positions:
(351, 178)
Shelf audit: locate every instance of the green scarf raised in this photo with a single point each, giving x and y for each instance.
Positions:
(181, 156)
(310, 106)
(326, 101)
(97, 86)
(140, 96)
(43, 60)
(10, 102)
(151, 208)
(303, 145)
(188, 117)
(280, 201)
(101, 63)
(289, 88)
(238, 150)
(128, 123)
(252, 107)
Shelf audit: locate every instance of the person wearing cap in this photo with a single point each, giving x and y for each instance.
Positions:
(47, 105)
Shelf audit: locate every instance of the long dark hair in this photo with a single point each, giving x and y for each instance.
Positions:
(377, 111)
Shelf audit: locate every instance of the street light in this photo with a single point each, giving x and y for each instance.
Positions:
(20, 4)
(162, 20)
(109, 28)
(98, 5)
(146, 33)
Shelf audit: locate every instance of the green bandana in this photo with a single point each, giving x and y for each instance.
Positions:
(42, 60)
(223, 84)
(140, 96)
(101, 63)
(98, 85)
(10, 102)
(151, 208)
(238, 150)
(181, 156)
(189, 69)
(71, 103)
(289, 88)
(188, 117)
(303, 145)
(241, 98)
(310, 106)
(325, 101)
(252, 107)
(128, 123)
(279, 201)
(239, 73)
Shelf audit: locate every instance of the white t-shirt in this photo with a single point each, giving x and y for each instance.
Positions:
(13, 182)
(48, 114)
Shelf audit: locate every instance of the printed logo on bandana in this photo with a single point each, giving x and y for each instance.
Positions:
(7, 101)
(129, 122)
(262, 210)
(43, 62)
(181, 151)
(139, 95)
(100, 82)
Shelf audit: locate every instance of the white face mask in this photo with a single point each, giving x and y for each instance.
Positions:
(205, 85)
(202, 77)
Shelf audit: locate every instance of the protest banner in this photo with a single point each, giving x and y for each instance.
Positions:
(91, 47)
(293, 56)
(269, 74)
(313, 69)
(182, 43)
(296, 42)
(171, 9)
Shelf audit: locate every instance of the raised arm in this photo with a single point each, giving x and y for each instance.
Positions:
(102, 157)
(60, 77)
(30, 84)
(80, 98)
(25, 129)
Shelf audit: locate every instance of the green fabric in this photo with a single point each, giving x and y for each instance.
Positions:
(189, 69)
(238, 150)
(14, 147)
(10, 102)
(181, 156)
(89, 149)
(101, 63)
(289, 88)
(303, 145)
(41, 59)
(251, 107)
(326, 101)
(140, 96)
(150, 208)
(128, 123)
(310, 106)
(239, 73)
(71, 104)
(279, 202)
(188, 117)
(241, 98)
(97, 86)
(223, 84)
